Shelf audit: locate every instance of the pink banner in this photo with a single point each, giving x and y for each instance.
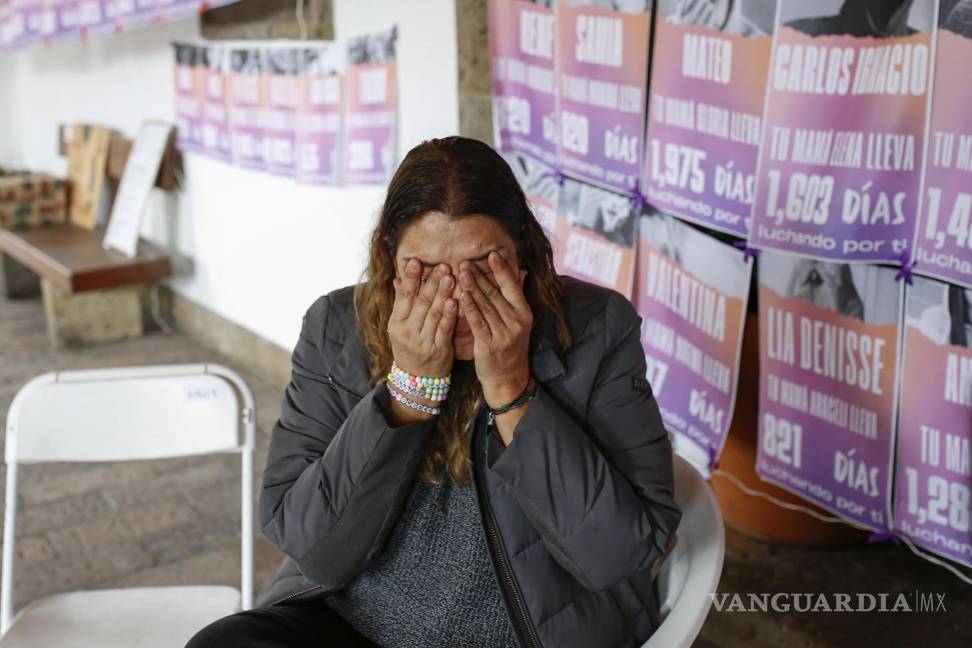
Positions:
(370, 123)
(214, 68)
(246, 101)
(933, 469)
(319, 97)
(189, 95)
(603, 72)
(279, 115)
(828, 336)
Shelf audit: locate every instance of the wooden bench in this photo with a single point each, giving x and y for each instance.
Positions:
(91, 294)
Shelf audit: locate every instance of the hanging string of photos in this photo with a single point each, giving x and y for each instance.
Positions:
(25, 23)
(829, 145)
(322, 112)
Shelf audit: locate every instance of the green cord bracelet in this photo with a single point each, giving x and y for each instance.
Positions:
(521, 400)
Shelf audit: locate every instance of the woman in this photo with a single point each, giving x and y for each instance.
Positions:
(521, 499)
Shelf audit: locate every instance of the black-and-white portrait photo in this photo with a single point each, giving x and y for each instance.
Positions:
(876, 18)
(609, 214)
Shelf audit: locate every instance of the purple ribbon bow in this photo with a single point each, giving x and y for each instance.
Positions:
(637, 198)
(556, 174)
(713, 461)
(748, 252)
(907, 267)
(883, 536)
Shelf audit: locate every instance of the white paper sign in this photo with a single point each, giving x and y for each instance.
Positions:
(136, 184)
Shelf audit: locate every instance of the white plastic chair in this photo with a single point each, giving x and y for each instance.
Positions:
(691, 572)
(127, 413)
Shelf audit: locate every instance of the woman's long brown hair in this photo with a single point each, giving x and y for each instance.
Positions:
(457, 176)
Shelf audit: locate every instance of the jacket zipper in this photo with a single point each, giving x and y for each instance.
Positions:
(523, 617)
(331, 379)
(296, 594)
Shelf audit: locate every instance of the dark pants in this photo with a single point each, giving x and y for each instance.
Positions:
(281, 626)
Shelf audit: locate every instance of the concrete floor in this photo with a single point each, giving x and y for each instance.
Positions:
(176, 522)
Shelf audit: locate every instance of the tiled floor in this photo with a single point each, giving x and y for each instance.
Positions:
(176, 522)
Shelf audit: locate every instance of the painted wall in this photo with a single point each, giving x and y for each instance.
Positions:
(258, 249)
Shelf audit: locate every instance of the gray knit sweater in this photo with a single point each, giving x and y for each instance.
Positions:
(433, 584)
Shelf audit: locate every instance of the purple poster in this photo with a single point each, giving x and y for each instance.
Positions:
(944, 238)
(246, 101)
(371, 110)
(844, 136)
(214, 68)
(691, 292)
(188, 94)
(279, 116)
(521, 44)
(706, 111)
(828, 342)
(319, 96)
(602, 60)
(933, 473)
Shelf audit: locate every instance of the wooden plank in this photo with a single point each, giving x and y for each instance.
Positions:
(120, 146)
(74, 260)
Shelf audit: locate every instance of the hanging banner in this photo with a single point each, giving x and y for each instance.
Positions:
(828, 337)
(705, 111)
(319, 96)
(539, 184)
(602, 64)
(372, 110)
(943, 245)
(933, 470)
(843, 142)
(594, 236)
(691, 292)
(521, 45)
(279, 116)
(188, 91)
(246, 101)
(214, 68)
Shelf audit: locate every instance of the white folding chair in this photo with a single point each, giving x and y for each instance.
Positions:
(691, 572)
(128, 413)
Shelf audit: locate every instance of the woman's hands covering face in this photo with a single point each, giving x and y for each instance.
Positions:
(423, 319)
(501, 322)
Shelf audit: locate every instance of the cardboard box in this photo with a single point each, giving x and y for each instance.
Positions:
(31, 199)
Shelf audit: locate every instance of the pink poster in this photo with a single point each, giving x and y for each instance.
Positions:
(594, 236)
(691, 291)
(828, 336)
(943, 245)
(521, 45)
(319, 97)
(279, 115)
(214, 68)
(602, 61)
(371, 110)
(706, 112)
(246, 101)
(934, 466)
(843, 144)
(188, 92)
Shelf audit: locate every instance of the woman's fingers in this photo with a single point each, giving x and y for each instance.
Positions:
(507, 281)
(483, 304)
(477, 322)
(406, 290)
(443, 333)
(436, 310)
(423, 300)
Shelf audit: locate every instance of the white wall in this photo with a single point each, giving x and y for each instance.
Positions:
(262, 247)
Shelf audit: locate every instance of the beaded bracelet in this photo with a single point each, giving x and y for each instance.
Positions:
(430, 387)
(404, 400)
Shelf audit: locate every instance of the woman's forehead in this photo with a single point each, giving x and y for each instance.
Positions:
(437, 237)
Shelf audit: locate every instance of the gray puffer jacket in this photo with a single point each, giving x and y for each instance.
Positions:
(576, 510)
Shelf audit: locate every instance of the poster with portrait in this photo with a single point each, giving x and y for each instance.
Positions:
(691, 291)
(541, 188)
(278, 118)
(371, 117)
(594, 236)
(188, 97)
(246, 102)
(213, 65)
(705, 110)
(319, 95)
(521, 46)
(933, 470)
(844, 135)
(943, 242)
(828, 338)
(602, 67)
